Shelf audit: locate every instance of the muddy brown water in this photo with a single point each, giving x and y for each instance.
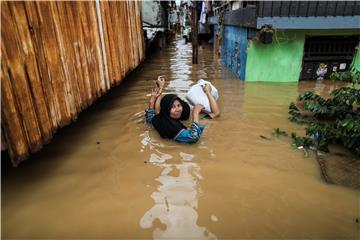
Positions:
(110, 176)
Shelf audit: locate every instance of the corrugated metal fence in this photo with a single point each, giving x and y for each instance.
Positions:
(56, 59)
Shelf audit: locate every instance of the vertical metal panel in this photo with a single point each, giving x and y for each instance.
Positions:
(58, 58)
(340, 5)
(303, 8)
(75, 12)
(267, 9)
(285, 5)
(54, 63)
(35, 22)
(75, 39)
(134, 33)
(16, 140)
(261, 9)
(61, 26)
(293, 9)
(108, 40)
(307, 8)
(357, 8)
(321, 8)
(312, 8)
(125, 43)
(276, 8)
(130, 35)
(331, 8)
(32, 73)
(234, 50)
(140, 30)
(14, 57)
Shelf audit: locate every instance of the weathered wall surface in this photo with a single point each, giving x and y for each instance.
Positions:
(155, 14)
(276, 62)
(281, 61)
(57, 59)
(234, 49)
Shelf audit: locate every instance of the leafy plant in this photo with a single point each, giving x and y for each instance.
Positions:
(347, 76)
(355, 77)
(334, 120)
(277, 132)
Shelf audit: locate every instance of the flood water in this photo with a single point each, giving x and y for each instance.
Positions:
(110, 176)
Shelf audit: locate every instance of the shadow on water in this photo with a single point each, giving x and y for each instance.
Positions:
(77, 130)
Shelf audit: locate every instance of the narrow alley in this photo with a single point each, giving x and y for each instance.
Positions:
(110, 176)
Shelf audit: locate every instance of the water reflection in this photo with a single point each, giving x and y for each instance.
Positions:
(176, 199)
(180, 69)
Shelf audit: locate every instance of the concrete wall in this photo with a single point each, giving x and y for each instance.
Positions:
(153, 13)
(281, 61)
(276, 62)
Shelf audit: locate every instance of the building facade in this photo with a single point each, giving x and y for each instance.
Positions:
(288, 41)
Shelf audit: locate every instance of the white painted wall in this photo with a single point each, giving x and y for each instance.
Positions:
(153, 13)
(235, 5)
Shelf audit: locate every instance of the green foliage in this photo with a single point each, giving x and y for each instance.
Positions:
(346, 96)
(299, 141)
(277, 132)
(348, 132)
(311, 96)
(342, 76)
(316, 108)
(348, 76)
(298, 117)
(322, 134)
(355, 77)
(334, 120)
(292, 106)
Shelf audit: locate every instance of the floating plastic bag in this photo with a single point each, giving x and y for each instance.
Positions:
(196, 94)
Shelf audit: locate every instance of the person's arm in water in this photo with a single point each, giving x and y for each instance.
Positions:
(215, 110)
(196, 112)
(157, 102)
(150, 112)
(155, 98)
(193, 134)
(160, 82)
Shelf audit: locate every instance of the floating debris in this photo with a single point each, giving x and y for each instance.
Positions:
(214, 218)
(264, 137)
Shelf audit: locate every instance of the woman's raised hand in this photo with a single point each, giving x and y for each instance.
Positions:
(215, 110)
(160, 82)
(207, 88)
(156, 92)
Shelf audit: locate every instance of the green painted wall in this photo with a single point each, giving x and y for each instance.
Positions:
(281, 61)
(356, 62)
(276, 62)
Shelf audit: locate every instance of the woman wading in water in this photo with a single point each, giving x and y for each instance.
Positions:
(165, 113)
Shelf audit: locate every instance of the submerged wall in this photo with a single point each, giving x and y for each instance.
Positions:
(276, 62)
(281, 60)
(234, 50)
(57, 59)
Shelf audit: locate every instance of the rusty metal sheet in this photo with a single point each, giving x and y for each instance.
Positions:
(57, 59)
